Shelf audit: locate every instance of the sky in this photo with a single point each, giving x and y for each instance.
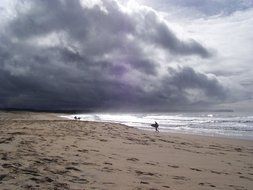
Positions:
(125, 55)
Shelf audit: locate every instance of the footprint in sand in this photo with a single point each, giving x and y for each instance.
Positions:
(2, 176)
(42, 180)
(217, 172)
(94, 150)
(238, 149)
(5, 156)
(108, 183)
(196, 169)
(31, 171)
(207, 184)
(236, 187)
(144, 182)
(244, 177)
(83, 150)
(151, 163)
(89, 164)
(49, 160)
(107, 163)
(79, 180)
(173, 166)
(103, 140)
(133, 159)
(61, 186)
(107, 169)
(72, 168)
(6, 140)
(59, 172)
(144, 173)
(13, 166)
(181, 178)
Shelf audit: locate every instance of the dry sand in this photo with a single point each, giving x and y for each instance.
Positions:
(41, 151)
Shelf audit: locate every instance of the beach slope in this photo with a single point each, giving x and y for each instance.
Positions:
(41, 151)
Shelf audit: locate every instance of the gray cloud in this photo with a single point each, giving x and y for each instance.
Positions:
(201, 8)
(62, 55)
(187, 78)
(155, 31)
(213, 7)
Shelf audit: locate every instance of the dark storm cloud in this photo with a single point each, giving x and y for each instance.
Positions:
(167, 39)
(62, 55)
(187, 78)
(158, 33)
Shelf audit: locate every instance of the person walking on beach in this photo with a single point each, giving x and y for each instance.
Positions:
(155, 126)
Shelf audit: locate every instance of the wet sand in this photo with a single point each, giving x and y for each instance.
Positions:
(42, 151)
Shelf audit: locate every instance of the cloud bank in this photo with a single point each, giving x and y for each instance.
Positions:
(76, 55)
(200, 8)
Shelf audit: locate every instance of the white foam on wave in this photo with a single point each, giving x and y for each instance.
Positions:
(212, 124)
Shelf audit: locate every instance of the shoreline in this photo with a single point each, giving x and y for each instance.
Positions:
(27, 115)
(171, 131)
(41, 151)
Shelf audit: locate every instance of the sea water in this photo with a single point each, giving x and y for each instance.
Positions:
(228, 124)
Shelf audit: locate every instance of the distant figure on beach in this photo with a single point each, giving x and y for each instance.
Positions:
(155, 126)
(77, 118)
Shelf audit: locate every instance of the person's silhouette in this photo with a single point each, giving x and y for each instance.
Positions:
(155, 126)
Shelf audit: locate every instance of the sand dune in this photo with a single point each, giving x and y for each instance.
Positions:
(40, 151)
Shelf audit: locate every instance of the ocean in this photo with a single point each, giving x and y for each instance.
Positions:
(224, 124)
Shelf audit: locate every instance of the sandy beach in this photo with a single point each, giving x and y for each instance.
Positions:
(43, 151)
